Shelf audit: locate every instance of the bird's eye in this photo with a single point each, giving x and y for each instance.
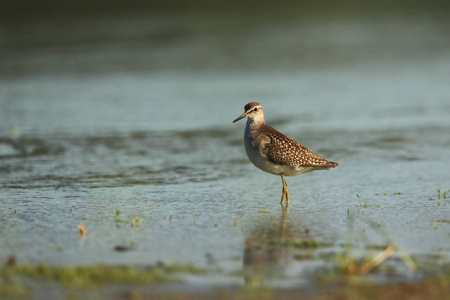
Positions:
(256, 109)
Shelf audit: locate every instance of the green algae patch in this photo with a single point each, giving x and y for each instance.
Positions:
(85, 276)
(293, 244)
(296, 244)
(13, 290)
(306, 243)
(442, 220)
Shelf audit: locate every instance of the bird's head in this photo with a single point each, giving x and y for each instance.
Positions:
(253, 111)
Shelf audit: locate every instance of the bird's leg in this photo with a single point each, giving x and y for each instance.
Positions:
(282, 191)
(285, 192)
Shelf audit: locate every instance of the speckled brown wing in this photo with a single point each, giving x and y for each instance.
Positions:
(283, 150)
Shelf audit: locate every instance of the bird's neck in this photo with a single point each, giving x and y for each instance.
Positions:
(255, 122)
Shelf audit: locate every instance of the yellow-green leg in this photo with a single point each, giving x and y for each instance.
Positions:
(285, 191)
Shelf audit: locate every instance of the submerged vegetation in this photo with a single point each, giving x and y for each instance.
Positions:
(441, 195)
(13, 278)
(21, 281)
(348, 263)
(365, 205)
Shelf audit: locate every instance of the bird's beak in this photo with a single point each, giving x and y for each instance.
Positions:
(244, 115)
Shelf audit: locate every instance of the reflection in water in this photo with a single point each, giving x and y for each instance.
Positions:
(275, 247)
(263, 252)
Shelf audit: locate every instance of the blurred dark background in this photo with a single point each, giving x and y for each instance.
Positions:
(132, 62)
(53, 36)
(86, 5)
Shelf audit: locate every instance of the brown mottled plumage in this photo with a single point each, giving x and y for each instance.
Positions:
(283, 150)
(276, 153)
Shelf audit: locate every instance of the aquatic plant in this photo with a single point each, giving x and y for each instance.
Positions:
(365, 205)
(345, 262)
(136, 222)
(86, 276)
(441, 194)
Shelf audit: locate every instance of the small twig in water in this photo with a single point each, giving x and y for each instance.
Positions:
(377, 260)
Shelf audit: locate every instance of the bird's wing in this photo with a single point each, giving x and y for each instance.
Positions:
(283, 150)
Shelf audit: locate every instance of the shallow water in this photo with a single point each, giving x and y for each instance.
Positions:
(138, 124)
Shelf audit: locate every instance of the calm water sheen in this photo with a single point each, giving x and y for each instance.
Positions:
(105, 118)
